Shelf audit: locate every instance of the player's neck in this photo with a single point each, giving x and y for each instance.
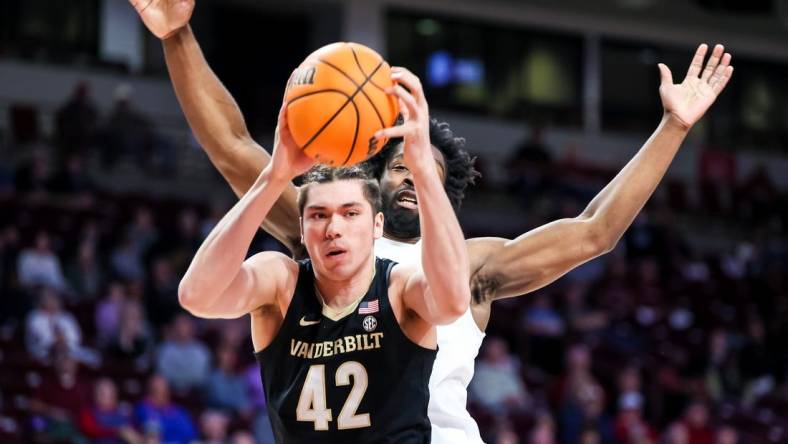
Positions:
(407, 240)
(341, 293)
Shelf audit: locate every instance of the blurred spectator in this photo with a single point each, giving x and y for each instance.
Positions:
(497, 386)
(721, 368)
(263, 433)
(505, 433)
(727, 435)
(33, 176)
(75, 122)
(73, 178)
(159, 416)
(187, 239)
(629, 382)
(529, 169)
(162, 292)
(225, 388)
(133, 341)
(545, 328)
(543, 431)
(108, 312)
(217, 211)
(717, 173)
(104, 422)
(12, 305)
(40, 266)
(677, 434)
(758, 194)
(126, 132)
(7, 188)
(86, 275)
(126, 260)
(631, 427)
(242, 437)
(649, 293)
(585, 419)
(58, 400)
(590, 436)
(696, 421)
(254, 386)
(181, 359)
(142, 232)
(213, 427)
(581, 316)
(757, 363)
(577, 382)
(49, 326)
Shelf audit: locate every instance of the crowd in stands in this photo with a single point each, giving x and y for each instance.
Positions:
(664, 340)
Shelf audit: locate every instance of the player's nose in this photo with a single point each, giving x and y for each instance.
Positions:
(333, 228)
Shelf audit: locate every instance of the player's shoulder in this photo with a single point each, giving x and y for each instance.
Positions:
(276, 264)
(273, 258)
(480, 249)
(401, 272)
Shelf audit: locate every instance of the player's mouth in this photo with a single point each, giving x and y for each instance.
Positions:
(407, 199)
(336, 253)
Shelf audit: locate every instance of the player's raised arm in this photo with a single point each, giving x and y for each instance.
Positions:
(219, 283)
(503, 268)
(439, 292)
(212, 113)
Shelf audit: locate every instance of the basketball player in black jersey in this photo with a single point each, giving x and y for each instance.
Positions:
(346, 341)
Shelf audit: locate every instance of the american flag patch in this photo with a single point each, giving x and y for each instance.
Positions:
(368, 307)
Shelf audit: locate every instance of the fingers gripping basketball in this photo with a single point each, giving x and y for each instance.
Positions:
(336, 101)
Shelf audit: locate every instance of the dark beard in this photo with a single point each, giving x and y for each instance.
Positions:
(400, 222)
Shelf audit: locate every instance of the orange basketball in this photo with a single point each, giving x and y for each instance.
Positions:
(336, 102)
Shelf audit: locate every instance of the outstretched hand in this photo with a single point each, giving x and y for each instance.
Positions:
(164, 17)
(689, 100)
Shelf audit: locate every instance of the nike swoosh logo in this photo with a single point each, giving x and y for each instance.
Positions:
(304, 323)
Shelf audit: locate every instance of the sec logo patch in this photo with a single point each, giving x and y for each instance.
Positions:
(369, 323)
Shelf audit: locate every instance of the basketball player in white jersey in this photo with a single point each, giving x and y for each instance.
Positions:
(499, 268)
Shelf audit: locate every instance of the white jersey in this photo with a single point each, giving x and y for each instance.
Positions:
(458, 345)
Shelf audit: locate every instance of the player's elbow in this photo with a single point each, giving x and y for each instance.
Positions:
(456, 305)
(189, 296)
(598, 239)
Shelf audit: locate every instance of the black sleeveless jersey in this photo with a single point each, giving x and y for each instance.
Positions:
(356, 380)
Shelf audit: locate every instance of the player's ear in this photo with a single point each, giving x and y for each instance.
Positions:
(378, 225)
(301, 228)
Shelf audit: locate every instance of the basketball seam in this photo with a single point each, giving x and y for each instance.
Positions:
(355, 56)
(372, 82)
(380, 118)
(349, 100)
(355, 135)
(293, 99)
(362, 71)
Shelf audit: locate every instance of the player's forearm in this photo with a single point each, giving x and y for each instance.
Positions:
(544, 254)
(219, 126)
(222, 253)
(615, 207)
(210, 110)
(443, 253)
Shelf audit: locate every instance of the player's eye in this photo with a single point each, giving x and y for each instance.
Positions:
(317, 216)
(401, 168)
(352, 213)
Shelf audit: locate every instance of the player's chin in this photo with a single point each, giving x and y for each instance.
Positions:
(337, 264)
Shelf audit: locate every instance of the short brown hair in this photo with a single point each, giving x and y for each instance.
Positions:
(326, 174)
